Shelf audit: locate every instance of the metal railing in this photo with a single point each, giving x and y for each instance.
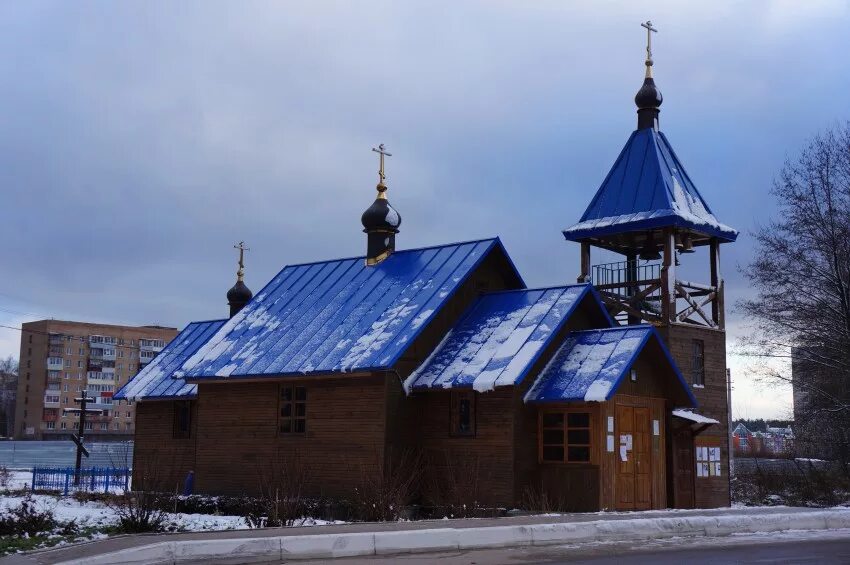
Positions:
(625, 274)
(91, 480)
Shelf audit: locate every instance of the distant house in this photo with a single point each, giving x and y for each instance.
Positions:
(774, 442)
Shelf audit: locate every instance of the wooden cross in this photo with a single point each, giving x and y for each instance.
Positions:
(242, 249)
(381, 150)
(649, 31)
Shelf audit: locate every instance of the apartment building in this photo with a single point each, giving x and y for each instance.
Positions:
(60, 359)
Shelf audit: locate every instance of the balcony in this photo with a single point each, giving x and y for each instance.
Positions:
(56, 339)
(49, 416)
(55, 351)
(51, 401)
(55, 364)
(154, 345)
(102, 340)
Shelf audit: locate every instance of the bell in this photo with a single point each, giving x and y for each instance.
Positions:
(650, 255)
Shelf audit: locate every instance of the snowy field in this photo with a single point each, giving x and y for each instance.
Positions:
(27, 454)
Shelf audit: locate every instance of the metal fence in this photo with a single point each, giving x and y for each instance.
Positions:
(92, 479)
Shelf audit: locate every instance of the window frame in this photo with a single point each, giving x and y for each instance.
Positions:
(293, 418)
(456, 397)
(178, 407)
(698, 362)
(565, 429)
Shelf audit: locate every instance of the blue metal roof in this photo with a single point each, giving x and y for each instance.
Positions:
(590, 365)
(156, 380)
(647, 188)
(339, 316)
(498, 339)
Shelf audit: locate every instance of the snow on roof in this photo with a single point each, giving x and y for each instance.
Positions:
(156, 380)
(498, 339)
(590, 365)
(693, 416)
(338, 316)
(647, 188)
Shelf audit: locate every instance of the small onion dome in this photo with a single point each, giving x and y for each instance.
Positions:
(239, 294)
(380, 216)
(648, 96)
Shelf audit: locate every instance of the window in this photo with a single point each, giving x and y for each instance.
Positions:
(698, 362)
(104, 426)
(708, 461)
(182, 419)
(67, 363)
(69, 351)
(293, 409)
(89, 425)
(82, 352)
(51, 425)
(79, 364)
(462, 413)
(76, 425)
(565, 437)
(63, 425)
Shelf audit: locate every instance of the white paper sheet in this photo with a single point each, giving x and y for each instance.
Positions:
(610, 424)
(610, 443)
(656, 428)
(624, 454)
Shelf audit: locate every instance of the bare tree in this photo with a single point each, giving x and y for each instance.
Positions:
(802, 275)
(8, 392)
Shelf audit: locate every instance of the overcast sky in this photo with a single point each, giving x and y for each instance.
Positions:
(140, 140)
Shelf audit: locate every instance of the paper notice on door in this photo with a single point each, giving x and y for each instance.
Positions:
(624, 453)
(656, 428)
(628, 441)
(610, 443)
(610, 424)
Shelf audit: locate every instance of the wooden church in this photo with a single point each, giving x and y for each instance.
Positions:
(608, 394)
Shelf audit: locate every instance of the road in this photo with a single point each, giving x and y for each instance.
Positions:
(823, 548)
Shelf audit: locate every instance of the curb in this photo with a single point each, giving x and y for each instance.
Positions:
(318, 546)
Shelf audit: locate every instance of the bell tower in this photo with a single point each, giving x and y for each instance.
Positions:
(649, 211)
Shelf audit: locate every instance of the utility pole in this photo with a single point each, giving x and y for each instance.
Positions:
(78, 438)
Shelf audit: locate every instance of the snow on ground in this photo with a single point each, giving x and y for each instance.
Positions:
(19, 479)
(99, 515)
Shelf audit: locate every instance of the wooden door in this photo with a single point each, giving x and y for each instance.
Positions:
(643, 459)
(683, 467)
(633, 481)
(625, 479)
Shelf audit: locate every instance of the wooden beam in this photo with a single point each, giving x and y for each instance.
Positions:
(696, 307)
(585, 263)
(668, 277)
(717, 305)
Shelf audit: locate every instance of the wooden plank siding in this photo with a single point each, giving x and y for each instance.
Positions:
(710, 492)
(157, 455)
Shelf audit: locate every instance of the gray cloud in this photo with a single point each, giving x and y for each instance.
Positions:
(140, 140)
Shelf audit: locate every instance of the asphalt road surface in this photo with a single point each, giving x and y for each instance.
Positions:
(792, 547)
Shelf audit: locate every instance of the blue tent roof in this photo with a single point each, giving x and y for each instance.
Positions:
(590, 365)
(339, 316)
(647, 188)
(499, 338)
(156, 380)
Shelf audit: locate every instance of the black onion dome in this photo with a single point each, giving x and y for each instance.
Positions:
(239, 294)
(380, 216)
(648, 96)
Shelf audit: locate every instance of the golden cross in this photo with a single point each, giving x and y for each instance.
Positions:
(649, 31)
(381, 150)
(240, 274)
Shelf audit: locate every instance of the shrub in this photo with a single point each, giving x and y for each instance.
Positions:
(281, 501)
(5, 477)
(384, 490)
(454, 484)
(27, 518)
